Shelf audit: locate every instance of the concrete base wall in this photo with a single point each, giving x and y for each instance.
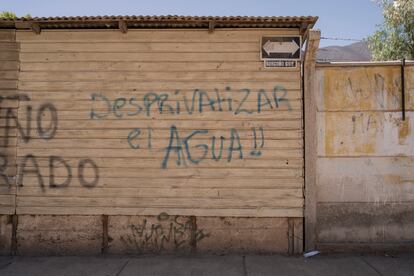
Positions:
(59, 235)
(6, 230)
(365, 227)
(243, 235)
(162, 234)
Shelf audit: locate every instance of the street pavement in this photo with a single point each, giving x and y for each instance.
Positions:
(199, 265)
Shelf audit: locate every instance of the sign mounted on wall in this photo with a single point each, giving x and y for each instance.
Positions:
(280, 51)
(280, 63)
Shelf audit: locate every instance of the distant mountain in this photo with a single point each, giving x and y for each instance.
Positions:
(354, 52)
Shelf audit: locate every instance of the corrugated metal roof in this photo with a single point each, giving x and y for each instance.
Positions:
(168, 21)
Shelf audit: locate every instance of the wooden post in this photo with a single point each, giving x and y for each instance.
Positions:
(310, 138)
(15, 221)
(193, 238)
(123, 27)
(211, 26)
(295, 236)
(104, 234)
(36, 28)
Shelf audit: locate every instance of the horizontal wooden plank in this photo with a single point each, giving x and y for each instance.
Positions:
(74, 192)
(6, 104)
(119, 47)
(141, 163)
(7, 210)
(8, 154)
(9, 46)
(9, 55)
(9, 65)
(8, 84)
(11, 94)
(143, 153)
(184, 124)
(159, 35)
(9, 75)
(7, 35)
(207, 111)
(165, 57)
(156, 76)
(7, 174)
(8, 151)
(127, 114)
(155, 143)
(7, 200)
(151, 106)
(10, 170)
(7, 147)
(205, 173)
(30, 201)
(114, 133)
(10, 187)
(216, 172)
(181, 178)
(194, 211)
(138, 93)
(11, 133)
(104, 100)
(128, 182)
(150, 86)
(154, 105)
(149, 66)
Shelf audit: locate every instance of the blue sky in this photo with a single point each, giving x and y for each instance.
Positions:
(337, 18)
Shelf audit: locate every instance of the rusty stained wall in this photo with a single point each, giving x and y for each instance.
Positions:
(365, 165)
(151, 122)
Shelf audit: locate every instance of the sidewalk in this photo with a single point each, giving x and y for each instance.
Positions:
(250, 265)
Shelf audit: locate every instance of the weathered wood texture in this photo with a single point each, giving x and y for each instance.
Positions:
(310, 137)
(365, 166)
(179, 121)
(9, 64)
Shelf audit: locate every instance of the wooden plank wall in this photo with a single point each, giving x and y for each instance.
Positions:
(365, 167)
(151, 121)
(9, 68)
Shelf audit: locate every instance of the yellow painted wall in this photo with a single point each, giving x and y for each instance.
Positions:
(365, 167)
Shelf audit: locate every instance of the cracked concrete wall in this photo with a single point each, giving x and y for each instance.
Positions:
(365, 165)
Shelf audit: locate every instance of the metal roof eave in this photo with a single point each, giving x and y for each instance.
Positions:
(304, 23)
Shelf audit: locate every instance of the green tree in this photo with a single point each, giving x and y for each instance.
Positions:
(7, 15)
(394, 39)
(11, 15)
